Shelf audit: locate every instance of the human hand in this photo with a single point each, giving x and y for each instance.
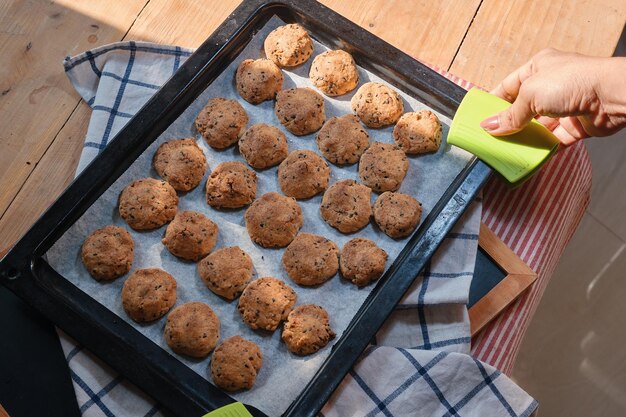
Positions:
(573, 95)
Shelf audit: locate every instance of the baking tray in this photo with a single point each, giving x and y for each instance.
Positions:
(185, 393)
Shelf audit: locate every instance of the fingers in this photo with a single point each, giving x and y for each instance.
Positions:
(549, 122)
(570, 131)
(513, 119)
(509, 88)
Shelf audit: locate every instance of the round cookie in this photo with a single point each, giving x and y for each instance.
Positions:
(191, 235)
(346, 206)
(221, 122)
(226, 271)
(418, 132)
(108, 253)
(273, 220)
(397, 214)
(362, 261)
(307, 329)
(288, 45)
(383, 167)
(231, 185)
(303, 174)
(311, 259)
(258, 80)
(192, 329)
(235, 364)
(342, 140)
(334, 72)
(377, 105)
(148, 203)
(148, 294)
(181, 163)
(263, 146)
(266, 302)
(300, 110)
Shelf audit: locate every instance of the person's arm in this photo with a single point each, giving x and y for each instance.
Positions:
(575, 96)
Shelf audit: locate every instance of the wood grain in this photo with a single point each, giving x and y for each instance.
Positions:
(36, 98)
(3, 412)
(506, 34)
(427, 30)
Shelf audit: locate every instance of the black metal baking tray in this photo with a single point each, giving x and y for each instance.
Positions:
(25, 271)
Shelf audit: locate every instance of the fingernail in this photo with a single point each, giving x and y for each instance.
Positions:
(490, 124)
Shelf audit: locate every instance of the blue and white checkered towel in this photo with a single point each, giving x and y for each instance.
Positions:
(421, 364)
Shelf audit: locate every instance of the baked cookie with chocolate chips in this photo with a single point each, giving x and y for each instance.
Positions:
(383, 167)
(181, 163)
(346, 206)
(221, 122)
(273, 220)
(258, 80)
(397, 214)
(108, 253)
(300, 110)
(191, 235)
(307, 329)
(342, 140)
(148, 203)
(334, 73)
(288, 45)
(377, 105)
(148, 294)
(265, 303)
(418, 132)
(231, 185)
(303, 174)
(362, 261)
(192, 329)
(263, 146)
(226, 271)
(311, 259)
(235, 364)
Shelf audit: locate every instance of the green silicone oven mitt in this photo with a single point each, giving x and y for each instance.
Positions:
(236, 409)
(516, 157)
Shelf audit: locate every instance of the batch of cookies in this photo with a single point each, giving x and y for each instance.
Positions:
(272, 220)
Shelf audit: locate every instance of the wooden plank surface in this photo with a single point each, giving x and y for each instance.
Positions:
(506, 34)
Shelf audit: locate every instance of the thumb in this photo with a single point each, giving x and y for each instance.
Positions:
(511, 120)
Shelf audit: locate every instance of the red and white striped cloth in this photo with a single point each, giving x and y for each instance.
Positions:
(536, 221)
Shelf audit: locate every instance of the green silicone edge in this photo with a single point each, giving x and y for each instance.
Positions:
(231, 410)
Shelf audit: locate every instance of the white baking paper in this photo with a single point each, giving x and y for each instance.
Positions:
(283, 375)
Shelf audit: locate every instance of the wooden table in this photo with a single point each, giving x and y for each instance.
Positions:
(43, 121)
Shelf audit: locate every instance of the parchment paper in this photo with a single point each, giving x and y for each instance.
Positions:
(283, 375)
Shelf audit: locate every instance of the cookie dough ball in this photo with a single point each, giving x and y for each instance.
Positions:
(148, 294)
(258, 80)
(231, 185)
(418, 132)
(307, 329)
(191, 236)
(303, 174)
(263, 146)
(192, 329)
(334, 72)
(221, 122)
(148, 204)
(311, 259)
(266, 302)
(235, 364)
(397, 214)
(273, 220)
(342, 140)
(346, 206)
(300, 110)
(362, 261)
(181, 163)
(383, 167)
(288, 46)
(377, 105)
(226, 271)
(108, 253)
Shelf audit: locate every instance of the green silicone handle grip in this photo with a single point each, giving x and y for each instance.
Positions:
(230, 410)
(516, 157)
